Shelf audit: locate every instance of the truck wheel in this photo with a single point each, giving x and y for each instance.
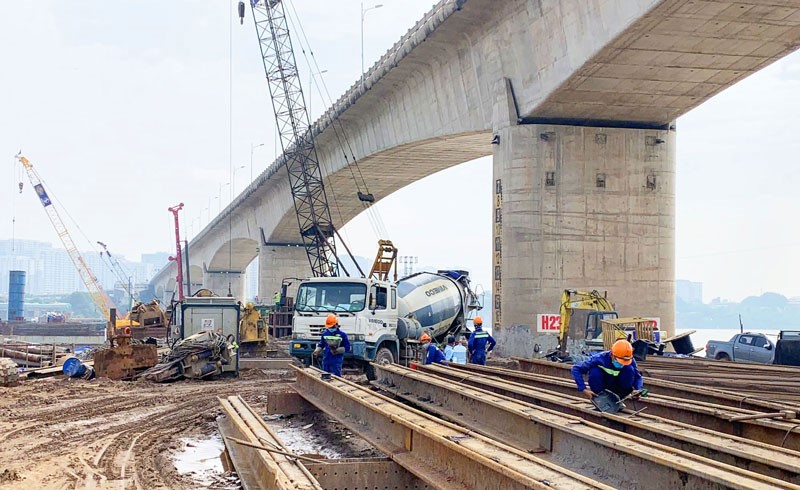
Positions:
(383, 356)
(724, 357)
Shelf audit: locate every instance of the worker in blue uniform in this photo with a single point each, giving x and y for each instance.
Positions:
(478, 341)
(433, 355)
(613, 370)
(333, 344)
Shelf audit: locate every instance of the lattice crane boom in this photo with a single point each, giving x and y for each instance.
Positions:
(96, 292)
(305, 178)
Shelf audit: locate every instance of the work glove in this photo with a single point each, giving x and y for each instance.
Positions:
(639, 394)
(338, 351)
(317, 352)
(488, 354)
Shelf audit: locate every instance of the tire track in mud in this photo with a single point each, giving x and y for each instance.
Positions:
(120, 435)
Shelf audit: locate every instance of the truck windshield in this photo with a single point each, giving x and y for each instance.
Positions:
(331, 296)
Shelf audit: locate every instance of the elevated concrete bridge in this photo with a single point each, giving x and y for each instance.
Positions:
(576, 102)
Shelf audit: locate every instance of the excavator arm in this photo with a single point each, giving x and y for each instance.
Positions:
(578, 300)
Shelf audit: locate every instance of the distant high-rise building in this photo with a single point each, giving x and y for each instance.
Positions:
(50, 270)
(689, 291)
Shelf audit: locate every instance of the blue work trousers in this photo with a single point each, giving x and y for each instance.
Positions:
(478, 357)
(333, 364)
(622, 384)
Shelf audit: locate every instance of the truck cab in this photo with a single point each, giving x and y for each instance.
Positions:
(367, 311)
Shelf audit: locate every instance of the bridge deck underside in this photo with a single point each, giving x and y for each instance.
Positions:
(388, 171)
(674, 58)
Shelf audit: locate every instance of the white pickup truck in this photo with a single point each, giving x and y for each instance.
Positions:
(743, 347)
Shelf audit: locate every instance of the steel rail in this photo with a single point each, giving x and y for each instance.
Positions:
(756, 456)
(667, 388)
(582, 446)
(260, 469)
(443, 455)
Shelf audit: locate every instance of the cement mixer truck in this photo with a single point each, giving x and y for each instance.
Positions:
(382, 319)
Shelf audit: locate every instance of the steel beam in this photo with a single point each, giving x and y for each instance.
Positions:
(707, 415)
(615, 458)
(364, 474)
(443, 455)
(259, 469)
(736, 451)
(664, 387)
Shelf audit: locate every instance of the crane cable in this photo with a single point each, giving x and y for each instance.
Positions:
(335, 131)
(373, 214)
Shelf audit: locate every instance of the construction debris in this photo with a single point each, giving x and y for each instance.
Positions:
(199, 356)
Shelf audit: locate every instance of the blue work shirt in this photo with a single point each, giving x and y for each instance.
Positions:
(332, 334)
(478, 340)
(602, 360)
(434, 355)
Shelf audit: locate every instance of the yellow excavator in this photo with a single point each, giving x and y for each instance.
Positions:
(582, 313)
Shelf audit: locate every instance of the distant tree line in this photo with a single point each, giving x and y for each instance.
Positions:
(768, 311)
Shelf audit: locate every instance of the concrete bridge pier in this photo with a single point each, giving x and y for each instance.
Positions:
(580, 207)
(277, 262)
(225, 283)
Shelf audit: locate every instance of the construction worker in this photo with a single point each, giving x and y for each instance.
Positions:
(277, 300)
(332, 346)
(477, 343)
(432, 353)
(613, 370)
(448, 349)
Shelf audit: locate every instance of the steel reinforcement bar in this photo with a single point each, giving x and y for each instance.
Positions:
(243, 430)
(617, 458)
(708, 415)
(761, 458)
(667, 388)
(443, 455)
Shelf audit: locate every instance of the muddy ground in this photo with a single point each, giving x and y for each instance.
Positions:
(61, 433)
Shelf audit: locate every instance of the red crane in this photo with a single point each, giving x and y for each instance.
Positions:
(178, 258)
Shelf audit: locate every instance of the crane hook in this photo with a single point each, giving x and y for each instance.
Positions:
(21, 185)
(241, 12)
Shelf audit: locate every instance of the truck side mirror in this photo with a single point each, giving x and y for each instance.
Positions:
(768, 346)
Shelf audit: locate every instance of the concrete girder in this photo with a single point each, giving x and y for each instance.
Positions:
(234, 255)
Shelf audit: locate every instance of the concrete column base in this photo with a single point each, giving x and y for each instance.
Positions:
(276, 263)
(581, 208)
(224, 283)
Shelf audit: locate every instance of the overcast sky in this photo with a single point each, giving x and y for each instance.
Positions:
(126, 108)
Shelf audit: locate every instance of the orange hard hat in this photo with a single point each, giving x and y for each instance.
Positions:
(331, 320)
(478, 321)
(622, 350)
(424, 338)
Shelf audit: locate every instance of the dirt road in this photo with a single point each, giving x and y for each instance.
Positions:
(99, 434)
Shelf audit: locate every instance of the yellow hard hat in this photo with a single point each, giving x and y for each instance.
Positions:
(622, 350)
(331, 320)
(478, 320)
